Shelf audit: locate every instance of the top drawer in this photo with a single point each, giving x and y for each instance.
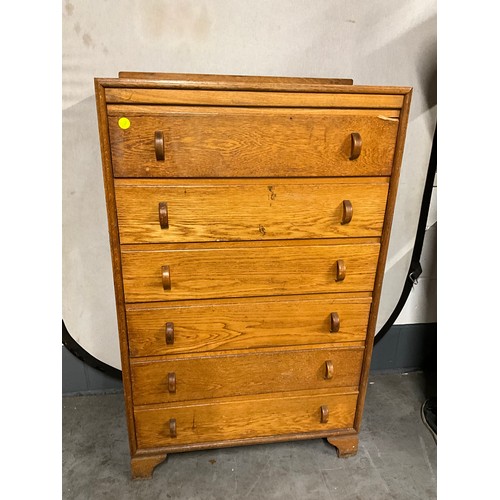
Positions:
(181, 141)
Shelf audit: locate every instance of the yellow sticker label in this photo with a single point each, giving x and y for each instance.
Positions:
(124, 123)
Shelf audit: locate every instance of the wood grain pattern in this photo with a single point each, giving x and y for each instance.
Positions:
(264, 209)
(236, 83)
(228, 79)
(249, 98)
(214, 142)
(256, 372)
(239, 419)
(114, 242)
(347, 445)
(247, 441)
(128, 110)
(142, 466)
(245, 324)
(253, 270)
(391, 203)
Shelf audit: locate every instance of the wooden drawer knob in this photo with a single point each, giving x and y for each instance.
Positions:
(173, 427)
(334, 322)
(172, 382)
(355, 146)
(159, 146)
(165, 277)
(163, 214)
(340, 270)
(169, 333)
(346, 212)
(328, 369)
(324, 414)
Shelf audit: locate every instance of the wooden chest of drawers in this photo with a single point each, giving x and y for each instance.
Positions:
(249, 222)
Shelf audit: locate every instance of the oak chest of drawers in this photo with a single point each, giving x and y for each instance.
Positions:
(249, 222)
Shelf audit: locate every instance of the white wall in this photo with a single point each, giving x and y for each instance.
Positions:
(380, 42)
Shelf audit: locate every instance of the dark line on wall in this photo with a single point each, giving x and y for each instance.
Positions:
(415, 269)
(77, 350)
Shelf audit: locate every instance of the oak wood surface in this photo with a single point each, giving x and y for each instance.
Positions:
(347, 445)
(216, 142)
(247, 271)
(267, 298)
(142, 466)
(257, 372)
(254, 210)
(184, 105)
(248, 244)
(239, 419)
(339, 100)
(237, 83)
(114, 241)
(245, 324)
(245, 79)
(391, 202)
(247, 441)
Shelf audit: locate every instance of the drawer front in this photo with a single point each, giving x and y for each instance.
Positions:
(213, 271)
(245, 324)
(240, 419)
(182, 141)
(183, 379)
(252, 210)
